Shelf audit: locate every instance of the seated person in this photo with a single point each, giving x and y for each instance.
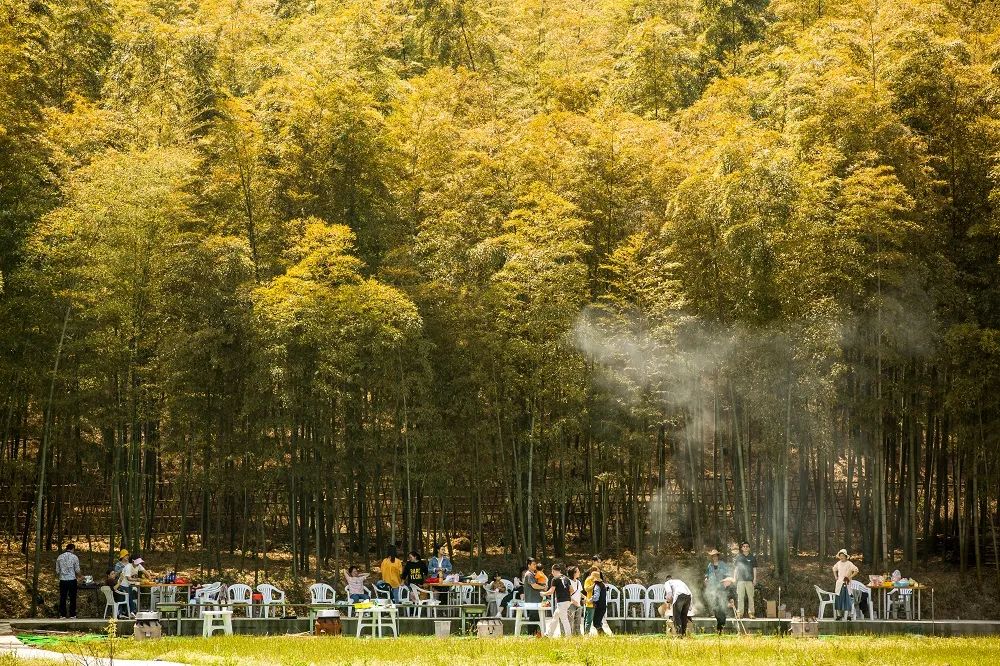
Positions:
(414, 573)
(515, 593)
(495, 592)
(355, 584)
(899, 597)
(862, 597)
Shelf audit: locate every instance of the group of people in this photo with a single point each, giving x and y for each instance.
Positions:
(395, 574)
(578, 606)
(731, 586)
(123, 579)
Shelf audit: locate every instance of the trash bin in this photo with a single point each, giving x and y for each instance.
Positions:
(442, 628)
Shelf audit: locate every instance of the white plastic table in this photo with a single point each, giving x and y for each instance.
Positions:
(521, 620)
(377, 618)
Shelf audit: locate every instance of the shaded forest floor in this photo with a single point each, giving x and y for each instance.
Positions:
(955, 596)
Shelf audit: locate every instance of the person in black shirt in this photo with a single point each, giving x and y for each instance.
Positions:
(746, 580)
(414, 573)
(559, 591)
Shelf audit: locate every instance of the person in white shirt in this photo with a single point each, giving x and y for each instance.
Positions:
(862, 597)
(68, 573)
(844, 571)
(128, 582)
(678, 595)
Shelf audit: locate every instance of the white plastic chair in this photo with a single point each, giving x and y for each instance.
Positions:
(635, 595)
(272, 596)
(421, 599)
(825, 599)
(655, 595)
(321, 593)
(112, 604)
(508, 584)
(240, 595)
(205, 596)
(614, 601)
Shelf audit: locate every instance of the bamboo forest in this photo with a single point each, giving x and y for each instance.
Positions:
(520, 276)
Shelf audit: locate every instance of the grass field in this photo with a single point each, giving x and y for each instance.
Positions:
(631, 650)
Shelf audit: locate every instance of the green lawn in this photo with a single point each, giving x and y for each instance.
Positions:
(631, 650)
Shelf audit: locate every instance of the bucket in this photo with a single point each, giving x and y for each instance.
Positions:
(442, 628)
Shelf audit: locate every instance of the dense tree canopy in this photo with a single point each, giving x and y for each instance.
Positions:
(546, 275)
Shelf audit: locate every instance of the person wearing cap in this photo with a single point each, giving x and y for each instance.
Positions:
(128, 582)
(844, 570)
(716, 594)
(122, 561)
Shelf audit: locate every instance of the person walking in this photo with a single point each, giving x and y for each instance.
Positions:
(746, 581)
(844, 570)
(715, 589)
(559, 592)
(576, 600)
(678, 595)
(588, 595)
(600, 600)
(68, 573)
(533, 583)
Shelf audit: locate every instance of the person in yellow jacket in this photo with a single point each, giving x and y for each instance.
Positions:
(588, 595)
(392, 574)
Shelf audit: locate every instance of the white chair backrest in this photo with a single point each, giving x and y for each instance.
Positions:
(820, 592)
(270, 593)
(634, 592)
(404, 595)
(508, 584)
(321, 593)
(656, 592)
(614, 594)
(110, 598)
(209, 592)
(239, 594)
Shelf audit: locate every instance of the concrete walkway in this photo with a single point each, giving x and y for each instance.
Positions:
(10, 645)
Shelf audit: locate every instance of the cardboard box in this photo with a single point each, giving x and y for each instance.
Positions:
(489, 628)
(772, 609)
(147, 632)
(804, 628)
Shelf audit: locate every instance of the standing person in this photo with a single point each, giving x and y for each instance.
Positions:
(746, 580)
(600, 599)
(355, 584)
(678, 595)
(559, 592)
(414, 573)
(715, 590)
(844, 570)
(588, 595)
(391, 570)
(533, 582)
(576, 600)
(68, 573)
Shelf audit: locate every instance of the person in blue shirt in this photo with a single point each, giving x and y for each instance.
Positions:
(716, 594)
(440, 565)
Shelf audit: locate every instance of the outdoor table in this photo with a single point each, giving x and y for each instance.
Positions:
(443, 586)
(172, 608)
(376, 615)
(183, 589)
(915, 599)
(520, 620)
(473, 612)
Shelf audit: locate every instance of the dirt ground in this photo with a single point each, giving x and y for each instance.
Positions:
(954, 597)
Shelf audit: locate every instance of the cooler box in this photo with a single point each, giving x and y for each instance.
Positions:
(147, 626)
(489, 628)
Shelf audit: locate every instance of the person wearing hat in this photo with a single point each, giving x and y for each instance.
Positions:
(716, 593)
(122, 561)
(128, 582)
(844, 570)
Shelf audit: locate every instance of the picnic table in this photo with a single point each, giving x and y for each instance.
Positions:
(915, 593)
(520, 616)
(154, 594)
(456, 586)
